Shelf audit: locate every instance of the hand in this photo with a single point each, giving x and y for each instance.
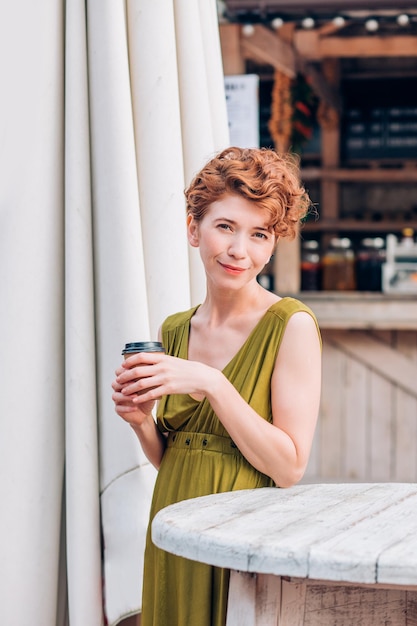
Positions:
(134, 414)
(147, 376)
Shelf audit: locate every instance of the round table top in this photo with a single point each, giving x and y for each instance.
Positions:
(358, 532)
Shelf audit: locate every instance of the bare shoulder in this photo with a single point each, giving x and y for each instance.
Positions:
(302, 320)
(301, 331)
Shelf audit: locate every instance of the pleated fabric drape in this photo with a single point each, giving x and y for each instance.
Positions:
(107, 110)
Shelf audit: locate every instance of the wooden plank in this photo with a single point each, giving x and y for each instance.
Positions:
(268, 48)
(312, 46)
(330, 201)
(315, 603)
(287, 266)
(241, 601)
(380, 432)
(268, 599)
(396, 565)
(233, 61)
(405, 444)
(366, 47)
(362, 311)
(306, 43)
(350, 605)
(377, 537)
(337, 583)
(405, 458)
(384, 360)
(381, 419)
(411, 609)
(385, 336)
(356, 421)
(331, 411)
(313, 467)
(293, 599)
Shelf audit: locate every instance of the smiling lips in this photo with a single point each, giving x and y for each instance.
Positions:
(233, 269)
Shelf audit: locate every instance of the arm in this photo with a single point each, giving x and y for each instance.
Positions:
(280, 449)
(139, 416)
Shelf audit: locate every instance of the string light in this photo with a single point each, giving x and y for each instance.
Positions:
(339, 21)
(372, 21)
(248, 30)
(277, 22)
(403, 19)
(372, 25)
(308, 22)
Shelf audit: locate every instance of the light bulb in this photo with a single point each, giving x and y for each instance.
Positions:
(248, 30)
(403, 19)
(371, 25)
(308, 22)
(277, 22)
(338, 20)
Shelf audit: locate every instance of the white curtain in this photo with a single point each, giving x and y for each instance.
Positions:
(108, 108)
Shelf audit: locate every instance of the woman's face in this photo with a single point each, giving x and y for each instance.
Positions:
(235, 241)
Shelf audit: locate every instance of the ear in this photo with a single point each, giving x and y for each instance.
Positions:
(192, 232)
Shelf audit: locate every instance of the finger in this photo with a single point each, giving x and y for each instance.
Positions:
(123, 410)
(121, 399)
(141, 384)
(148, 395)
(143, 358)
(135, 373)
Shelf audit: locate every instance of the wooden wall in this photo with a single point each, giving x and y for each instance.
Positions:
(367, 428)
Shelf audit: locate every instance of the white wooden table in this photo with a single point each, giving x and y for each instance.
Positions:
(312, 555)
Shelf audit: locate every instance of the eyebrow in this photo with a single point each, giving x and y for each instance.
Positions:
(267, 229)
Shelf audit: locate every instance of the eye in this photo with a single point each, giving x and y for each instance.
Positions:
(260, 235)
(224, 226)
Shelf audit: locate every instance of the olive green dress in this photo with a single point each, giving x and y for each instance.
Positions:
(201, 459)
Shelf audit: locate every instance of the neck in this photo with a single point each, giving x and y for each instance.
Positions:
(220, 306)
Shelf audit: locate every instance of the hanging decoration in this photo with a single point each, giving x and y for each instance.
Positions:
(280, 122)
(305, 104)
(294, 108)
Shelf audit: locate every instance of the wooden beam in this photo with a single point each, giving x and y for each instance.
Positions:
(400, 46)
(311, 46)
(286, 261)
(268, 48)
(307, 44)
(233, 61)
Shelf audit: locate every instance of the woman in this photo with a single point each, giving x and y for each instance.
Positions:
(239, 385)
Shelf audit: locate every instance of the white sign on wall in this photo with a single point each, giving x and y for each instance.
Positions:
(242, 100)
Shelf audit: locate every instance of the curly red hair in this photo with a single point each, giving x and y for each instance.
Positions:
(266, 178)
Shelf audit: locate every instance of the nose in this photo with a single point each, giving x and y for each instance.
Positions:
(237, 247)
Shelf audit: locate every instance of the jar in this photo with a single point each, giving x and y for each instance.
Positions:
(369, 260)
(310, 266)
(338, 266)
(407, 236)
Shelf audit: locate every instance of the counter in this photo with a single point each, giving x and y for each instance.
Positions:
(362, 310)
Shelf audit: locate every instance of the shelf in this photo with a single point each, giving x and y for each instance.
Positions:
(379, 175)
(362, 310)
(355, 225)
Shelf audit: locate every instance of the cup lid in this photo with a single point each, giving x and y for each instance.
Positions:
(143, 346)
